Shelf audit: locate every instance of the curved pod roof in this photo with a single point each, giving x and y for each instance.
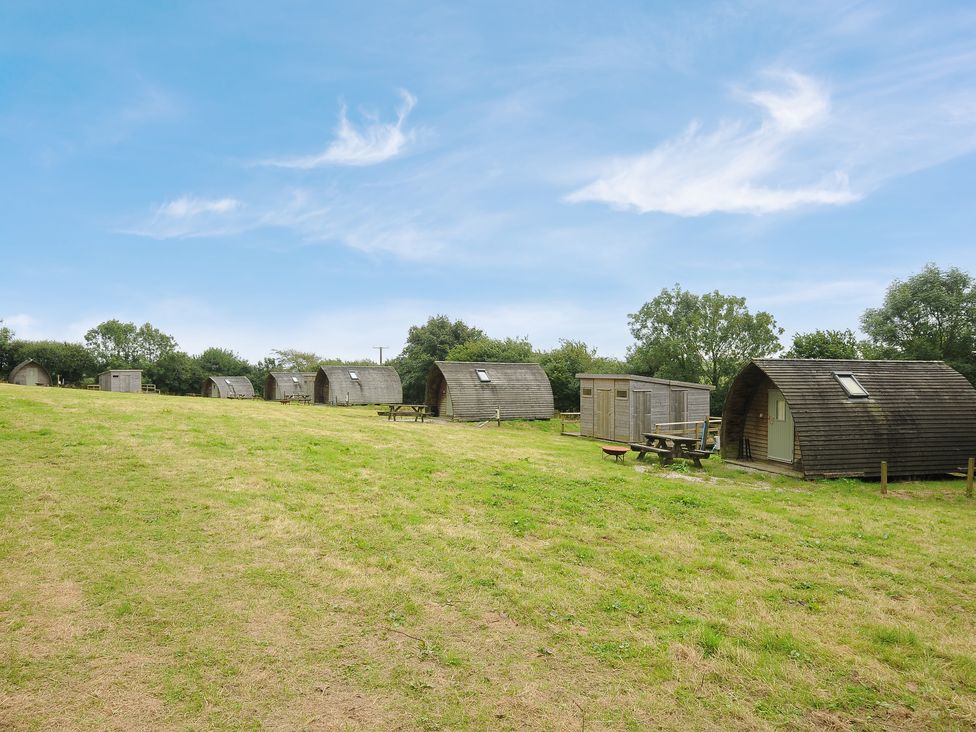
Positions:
(919, 416)
(518, 390)
(29, 373)
(358, 385)
(228, 387)
(285, 384)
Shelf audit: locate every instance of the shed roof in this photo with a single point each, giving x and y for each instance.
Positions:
(373, 385)
(121, 371)
(519, 390)
(647, 380)
(919, 416)
(230, 386)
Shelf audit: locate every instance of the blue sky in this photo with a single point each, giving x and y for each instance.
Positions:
(263, 176)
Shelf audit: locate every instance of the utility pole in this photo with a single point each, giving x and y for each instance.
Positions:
(380, 349)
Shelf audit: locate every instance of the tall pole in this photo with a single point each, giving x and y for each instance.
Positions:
(380, 349)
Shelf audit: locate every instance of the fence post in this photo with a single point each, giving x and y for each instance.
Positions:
(969, 477)
(498, 416)
(884, 477)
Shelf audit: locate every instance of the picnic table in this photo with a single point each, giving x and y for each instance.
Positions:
(668, 447)
(300, 398)
(417, 411)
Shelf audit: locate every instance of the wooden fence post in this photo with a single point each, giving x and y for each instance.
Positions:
(884, 477)
(498, 416)
(969, 477)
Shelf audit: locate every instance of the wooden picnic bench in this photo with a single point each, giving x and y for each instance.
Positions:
(417, 411)
(668, 447)
(299, 398)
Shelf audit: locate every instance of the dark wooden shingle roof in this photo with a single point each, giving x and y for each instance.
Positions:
(374, 385)
(920, 416)
(519, 390)
(281, 384)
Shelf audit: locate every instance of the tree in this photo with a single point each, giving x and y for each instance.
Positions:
(929, 316)
(222, 362)
(700, 338)
(114, 344)
(67, 362)
(425, 344)
(176, 373)
(570, 358)
(6, 350)
(510, 350)
(839, 344)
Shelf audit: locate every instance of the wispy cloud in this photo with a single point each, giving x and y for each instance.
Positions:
(189, 216)
(731, 169)
(371, 144)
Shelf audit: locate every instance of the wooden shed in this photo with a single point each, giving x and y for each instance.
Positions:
(831, 418)
(228, 387)
(622, 407)
(288, 385)
(124, 380)
(29, 373)
(471, 392)
(358, 385)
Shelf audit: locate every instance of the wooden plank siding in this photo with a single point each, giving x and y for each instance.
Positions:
(375, 385)
(919, 417)
(121, 380)
(29, 373)
(518, 390)
(227, 387)
(647, 403)
(288, 384)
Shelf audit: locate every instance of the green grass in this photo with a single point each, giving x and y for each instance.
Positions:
(174, 563)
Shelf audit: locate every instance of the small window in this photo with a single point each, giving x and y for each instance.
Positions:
(227, 381)
(621, 393)
(294, 379)
(115, 376)
(587, 391)
(483, 376)
(851, 385)
(354, 376)
(780, 410)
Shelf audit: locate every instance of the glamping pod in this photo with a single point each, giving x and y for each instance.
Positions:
(124, 380)
(833, 418)
(30, 373)
(622, 407)
(288, 385)
(228, 387)
(358, 385)
(470, 392)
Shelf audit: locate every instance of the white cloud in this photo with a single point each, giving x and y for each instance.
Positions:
(374, 143)
(729, 170)
(187, 206)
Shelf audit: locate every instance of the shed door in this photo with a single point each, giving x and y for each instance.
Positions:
(780, 421)
(679, 405)
(646, 414)
(444, 406)
(603, 419)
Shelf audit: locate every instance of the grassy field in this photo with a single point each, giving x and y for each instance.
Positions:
(175, 563)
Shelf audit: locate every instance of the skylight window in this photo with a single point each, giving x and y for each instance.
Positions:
(483, 376)
(354, 376)
(294, 379)
(227, 381)
(851, 385)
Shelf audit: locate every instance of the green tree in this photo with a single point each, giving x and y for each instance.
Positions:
(509, 350)
(570, 358)
(222, 362)
(839, 344)
(176, 373)
(929, 316)
(6, 350)
(700, 338)
(114, 344)
(69, 363)
(425, 344)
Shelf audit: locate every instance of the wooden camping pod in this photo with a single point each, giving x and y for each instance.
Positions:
(467, 391)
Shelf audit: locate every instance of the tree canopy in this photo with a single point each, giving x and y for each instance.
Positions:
(929, 316)
(509, 350)
(839, 344)
(700, 338)
(114, 344)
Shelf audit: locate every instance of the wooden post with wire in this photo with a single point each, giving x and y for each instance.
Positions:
(884, 477)
(970, 468)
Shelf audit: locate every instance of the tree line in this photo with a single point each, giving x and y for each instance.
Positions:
(680, 335)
